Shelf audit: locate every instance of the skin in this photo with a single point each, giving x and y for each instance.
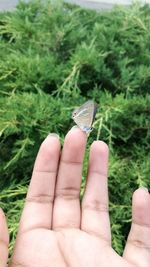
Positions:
(56, 230)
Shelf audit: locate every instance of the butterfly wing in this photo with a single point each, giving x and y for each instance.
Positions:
(84, 115)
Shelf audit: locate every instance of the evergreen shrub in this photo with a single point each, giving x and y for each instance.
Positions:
(54, 57)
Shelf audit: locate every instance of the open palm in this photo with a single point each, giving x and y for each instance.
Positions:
(56, 230)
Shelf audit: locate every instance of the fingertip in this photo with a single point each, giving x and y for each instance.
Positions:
(49, 151)
(3, 227)
(141, 206)
(100, 147)
(53, 135)
(75, 138)
(50, 142)
(99, 157)
(141, 196)
(75, 130)
(2, 215)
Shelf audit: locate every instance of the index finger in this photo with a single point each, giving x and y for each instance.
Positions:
(39, 202)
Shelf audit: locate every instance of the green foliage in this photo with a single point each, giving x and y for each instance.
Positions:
(55, 56)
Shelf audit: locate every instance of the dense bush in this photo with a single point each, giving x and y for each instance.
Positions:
(54, 57)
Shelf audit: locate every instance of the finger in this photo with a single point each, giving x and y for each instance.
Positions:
(66, 211)
(95, 217)
(137, 249)
(4, 240)
(38, 207)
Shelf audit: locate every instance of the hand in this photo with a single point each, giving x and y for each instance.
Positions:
(57, 231)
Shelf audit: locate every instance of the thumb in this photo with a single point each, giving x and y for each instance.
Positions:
(137, 250)
(4, 240)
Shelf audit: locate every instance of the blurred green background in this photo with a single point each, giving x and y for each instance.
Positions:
(56, 56)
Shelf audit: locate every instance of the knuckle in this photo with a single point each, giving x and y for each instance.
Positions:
(16, 263)
(42, 199)
(68, 193)
(139, 244)
(95, 205)
(4, 243)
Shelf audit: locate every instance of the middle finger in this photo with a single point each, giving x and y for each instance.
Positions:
(66, 211)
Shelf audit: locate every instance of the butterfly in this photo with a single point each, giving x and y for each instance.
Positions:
(85, 115)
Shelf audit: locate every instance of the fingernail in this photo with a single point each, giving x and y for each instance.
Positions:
(74, 127)
(53, 135)
(144, 188)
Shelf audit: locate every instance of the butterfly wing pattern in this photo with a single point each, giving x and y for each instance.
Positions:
(85, 115)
